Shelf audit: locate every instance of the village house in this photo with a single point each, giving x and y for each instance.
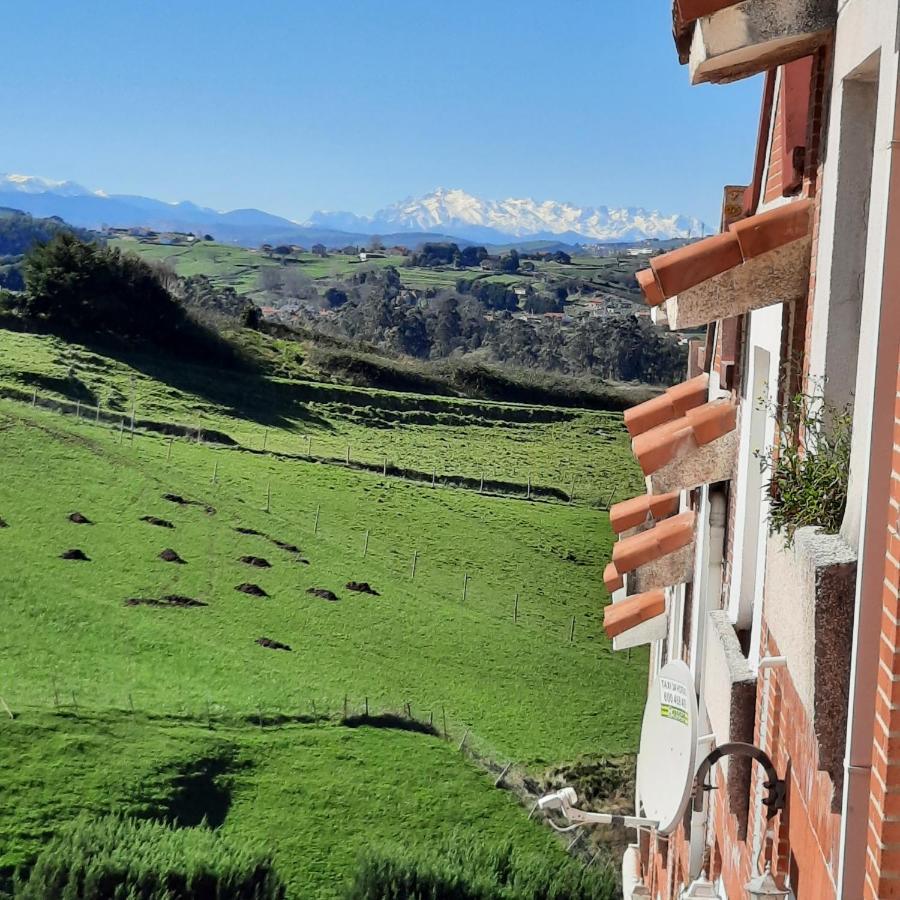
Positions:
(785, 778)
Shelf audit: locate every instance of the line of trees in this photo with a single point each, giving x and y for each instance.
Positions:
(622, 347)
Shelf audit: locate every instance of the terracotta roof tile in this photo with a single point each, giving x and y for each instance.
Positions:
(687, 266)
(626, 614)
(647, 282)
(745, 239)
(612, 579)
(636, 511)
(769, 230)
(702, 425)
(646, 546)
(671, 404)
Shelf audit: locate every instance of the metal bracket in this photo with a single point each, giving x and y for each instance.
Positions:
(775, 786)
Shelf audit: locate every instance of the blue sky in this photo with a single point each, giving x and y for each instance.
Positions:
(292, 106)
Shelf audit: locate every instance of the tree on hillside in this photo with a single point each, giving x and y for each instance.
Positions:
(510, 262)
(75, 284)
(319, 250)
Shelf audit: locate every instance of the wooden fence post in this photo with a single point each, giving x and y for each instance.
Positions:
(316, 526)
(366, 545)
(516, 609)
(572, 630)
(309, 446)
(268, 495)
(465, 586)
(265, 440)
(412, 574)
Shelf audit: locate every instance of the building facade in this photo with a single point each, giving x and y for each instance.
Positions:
(793, 642)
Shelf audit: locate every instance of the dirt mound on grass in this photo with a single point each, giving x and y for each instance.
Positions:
(175, 600)
(272, 645)
(253, 589)
(290, 548)
(324, 594)
(183, 501)
(4, 523)
(169, 555)
(257, 561)
(362, 587)
(153, 520)
(75, 554)
(79, 519)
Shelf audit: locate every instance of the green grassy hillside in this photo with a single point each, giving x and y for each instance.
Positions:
(122, 697)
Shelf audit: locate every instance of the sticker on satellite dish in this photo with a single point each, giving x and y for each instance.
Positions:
(673, 700)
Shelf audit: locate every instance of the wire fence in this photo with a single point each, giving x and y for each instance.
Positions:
(332, 451)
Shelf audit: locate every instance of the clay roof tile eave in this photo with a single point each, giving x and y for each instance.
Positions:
(647, 546)
(626, 614)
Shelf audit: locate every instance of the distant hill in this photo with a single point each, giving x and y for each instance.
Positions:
(441, 215)
(19, 231)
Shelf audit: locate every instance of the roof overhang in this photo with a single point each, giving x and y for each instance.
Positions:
(636, 620)
(699, 448)
(723, 41)
(658, 557)
(757, 262)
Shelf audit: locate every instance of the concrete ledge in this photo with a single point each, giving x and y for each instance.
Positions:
(671, 569)
(809, 604)
(730, 696)
(702, 465)
(757, 35)
(779, 276)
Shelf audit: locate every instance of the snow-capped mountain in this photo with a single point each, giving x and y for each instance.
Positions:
(473, 218)
(440, 215)
(34, 184)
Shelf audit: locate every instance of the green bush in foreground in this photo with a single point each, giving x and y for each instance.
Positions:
(117, 858)
(465, 870)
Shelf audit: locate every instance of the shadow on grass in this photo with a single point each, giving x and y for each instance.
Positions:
(195, 360)
(390, 720)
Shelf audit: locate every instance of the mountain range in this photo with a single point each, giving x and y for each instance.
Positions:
(440, 215)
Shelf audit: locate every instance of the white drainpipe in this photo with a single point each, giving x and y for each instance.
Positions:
(709, 597)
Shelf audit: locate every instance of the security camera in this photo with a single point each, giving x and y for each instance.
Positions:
(558, 799)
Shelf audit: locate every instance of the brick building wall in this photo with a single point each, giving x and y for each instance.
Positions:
(883, 840)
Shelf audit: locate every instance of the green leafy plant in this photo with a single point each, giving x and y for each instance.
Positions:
(808, 465)
(117, 857)
(464, 869)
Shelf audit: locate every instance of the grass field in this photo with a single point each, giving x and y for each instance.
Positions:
(553, 447)
(239, 267)
(317, 795)
(443, 634)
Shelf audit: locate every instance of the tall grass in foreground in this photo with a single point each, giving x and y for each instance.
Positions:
(117, 858)
(468, 870)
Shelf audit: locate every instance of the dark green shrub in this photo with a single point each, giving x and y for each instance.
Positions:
(463, 869)
(117, 858)
(808, 478)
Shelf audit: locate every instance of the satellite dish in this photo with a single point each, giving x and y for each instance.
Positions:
(667, 759)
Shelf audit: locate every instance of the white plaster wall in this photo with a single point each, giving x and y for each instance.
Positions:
(865, 27)
(745, 602)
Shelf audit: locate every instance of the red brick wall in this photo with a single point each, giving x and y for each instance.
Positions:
(883, 851)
